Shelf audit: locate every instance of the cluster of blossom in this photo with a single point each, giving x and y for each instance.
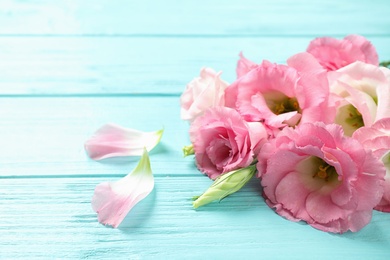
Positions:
(315, 131)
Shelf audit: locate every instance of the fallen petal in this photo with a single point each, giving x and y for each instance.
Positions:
(113, 140)
(112, 201)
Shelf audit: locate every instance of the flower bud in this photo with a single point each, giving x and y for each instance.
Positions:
(225, 185)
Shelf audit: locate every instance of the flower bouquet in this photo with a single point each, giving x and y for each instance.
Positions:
(316, 132)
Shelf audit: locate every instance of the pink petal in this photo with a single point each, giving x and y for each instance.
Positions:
(113, 200)
(371, 184)
(304, 62)
(276, 170)
(333, 54)
(113, 140)
(322, 209)
(284, 119)
(231, 93)
(354, 222)
(293, 200)
(329, 52)
(371, 56)
(383, 125)
(384, 204)
(244, 66)
(258, 136)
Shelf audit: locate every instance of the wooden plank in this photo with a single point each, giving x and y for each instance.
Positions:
(45, 136)
(68, 67)
(52, 218)
(126, 65)
(246, 17)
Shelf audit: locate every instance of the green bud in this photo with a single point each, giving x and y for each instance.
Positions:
(385, 64)
(188, 150)
(225, 185)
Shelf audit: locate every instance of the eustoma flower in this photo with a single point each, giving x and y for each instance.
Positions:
(201, 93)
(316, 174)
(377, 138)
(364, 92)
(224, 142)
(281, 96)
(113, 140)
(334, 54)
(113, 200)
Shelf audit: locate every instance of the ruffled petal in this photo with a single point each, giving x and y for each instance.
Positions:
(366, 47)
(333, 53)
(293, 200)
(244, 66)
(321, 208)
(279, 165)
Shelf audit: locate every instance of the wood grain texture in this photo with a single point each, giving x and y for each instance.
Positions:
(52, 218)
(132, 65)
(68, 67)
(45, 136)
(194, 17)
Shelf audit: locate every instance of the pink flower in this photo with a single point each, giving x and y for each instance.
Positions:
(364, 93)
(280, 95)
(334, 54)
(113, 140)
(113, 200)
(202, 93)
(316, 174)
(377, 138)
(224, 142)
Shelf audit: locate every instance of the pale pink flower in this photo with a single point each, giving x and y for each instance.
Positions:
(113, 200)
(364, 93)
(316, 174)
(280, 95)
(113, 140)
(224, 142)
(201, 93)
(377, 139)
(334, 54)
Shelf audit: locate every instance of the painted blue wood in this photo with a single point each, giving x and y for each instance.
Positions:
(133, 65)
(199, 17)
(67, 67)
(52, 218)
(45, 136)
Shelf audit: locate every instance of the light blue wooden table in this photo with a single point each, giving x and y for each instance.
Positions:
(68, 67)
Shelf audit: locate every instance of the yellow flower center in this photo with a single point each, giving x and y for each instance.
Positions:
(279, 103)
(326, 172)
(354, 118)
(349, 118)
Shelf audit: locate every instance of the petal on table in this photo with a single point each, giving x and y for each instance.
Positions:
(113, 140)
(112, 201)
